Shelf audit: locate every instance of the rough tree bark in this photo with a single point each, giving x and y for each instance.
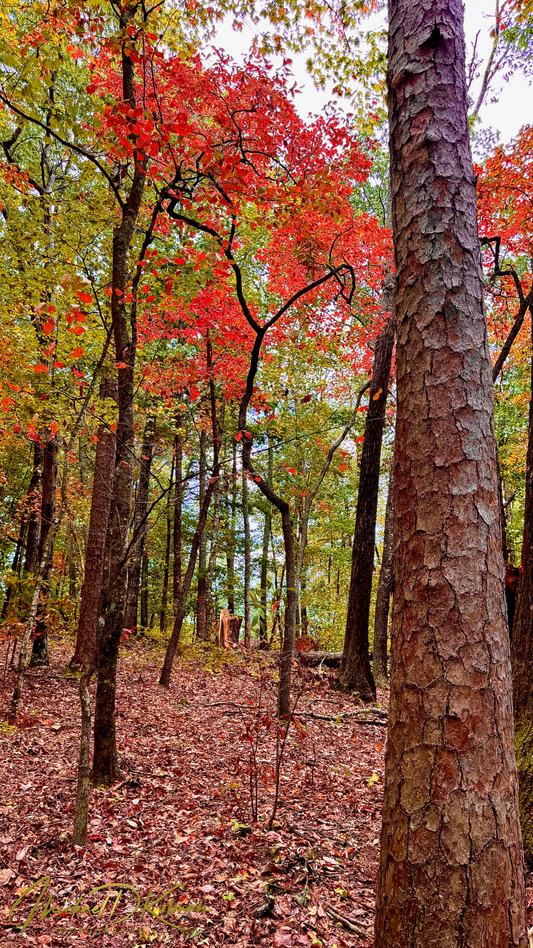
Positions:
(385, 584)
(105, 761)
(91, 592)
(451, 866)
(356, 674)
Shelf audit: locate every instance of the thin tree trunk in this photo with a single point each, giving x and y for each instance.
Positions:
(212, 562)
(451, 864)
(144, 592)
(202, 552)
(15, 564)
(356, 674)
(31, 561)
(91, 592)
(166, 570)
(263, 630)
(522, 656)
(181, 609)
(140, 528)
(178, 503)
(247, 563)
(47, 553)
(230, 547)
(39, 654)
(381, 618)
(81, 813)
(303, 607)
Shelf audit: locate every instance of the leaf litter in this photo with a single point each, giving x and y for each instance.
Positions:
(194, 759)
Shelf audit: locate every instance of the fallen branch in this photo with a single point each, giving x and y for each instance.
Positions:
(345, 921)
(313, 659)
(345, 714)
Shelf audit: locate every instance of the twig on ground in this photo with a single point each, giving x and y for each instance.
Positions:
(345, 921)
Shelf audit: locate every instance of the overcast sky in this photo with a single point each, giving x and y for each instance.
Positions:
(507, 115)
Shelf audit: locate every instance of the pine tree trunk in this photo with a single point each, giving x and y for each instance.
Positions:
(356, 674)
(39, 653)
(140, 528)
(102, 490)
(451, 865)
(381, 618)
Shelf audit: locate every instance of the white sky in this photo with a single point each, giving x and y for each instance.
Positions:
(507, 115)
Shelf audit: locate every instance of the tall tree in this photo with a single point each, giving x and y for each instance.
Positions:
(451, 867)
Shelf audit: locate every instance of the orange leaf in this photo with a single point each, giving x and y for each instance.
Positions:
(194, 393)
(76, 353)
(49, 326)
(40, 368)
(53, 427)
(376, 396)
(7, 402)
(113, 426)
(95, 438)
(122, 365)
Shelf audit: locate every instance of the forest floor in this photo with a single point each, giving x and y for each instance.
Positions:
(182, 818)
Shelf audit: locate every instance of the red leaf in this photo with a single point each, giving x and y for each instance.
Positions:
(49, 326)
(76, 353)
(122, 365)
(194, 393)
(84, 297)
(306, 398)
(41, 369)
